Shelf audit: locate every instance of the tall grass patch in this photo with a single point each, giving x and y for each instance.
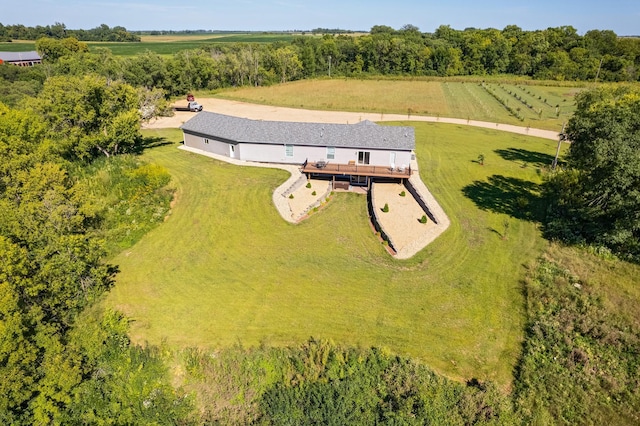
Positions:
(130, 197)
(387, 96)
(581, 359)
(320, 382)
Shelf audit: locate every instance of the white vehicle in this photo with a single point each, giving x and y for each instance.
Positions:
(192, 105)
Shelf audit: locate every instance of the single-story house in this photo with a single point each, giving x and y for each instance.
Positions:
(22, 59)
(358, 151)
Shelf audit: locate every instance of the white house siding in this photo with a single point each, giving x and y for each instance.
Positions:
(214, 146)
(302, 153)
(377, 157)
(272, 153)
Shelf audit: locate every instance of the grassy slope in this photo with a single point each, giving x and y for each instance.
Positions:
(581, 364)
(436, 97)
(225, 268)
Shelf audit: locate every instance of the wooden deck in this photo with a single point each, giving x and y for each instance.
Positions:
(355, 170)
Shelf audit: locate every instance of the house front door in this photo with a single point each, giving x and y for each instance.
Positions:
(232, 151)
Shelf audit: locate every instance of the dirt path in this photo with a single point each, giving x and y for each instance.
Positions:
(275, 113)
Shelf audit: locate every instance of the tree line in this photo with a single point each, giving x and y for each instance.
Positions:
(60, 30)
(71, 192)
(551, 54)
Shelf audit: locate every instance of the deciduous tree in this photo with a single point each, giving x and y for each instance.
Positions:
(89, 117)
(598, 199)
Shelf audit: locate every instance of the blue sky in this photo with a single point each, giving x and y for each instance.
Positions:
(621, 16)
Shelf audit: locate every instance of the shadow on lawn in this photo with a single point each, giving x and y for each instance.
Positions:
(150, 142)
(512, 196)
(524, 156)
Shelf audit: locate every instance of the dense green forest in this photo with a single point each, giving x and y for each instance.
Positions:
(56, 208)
(73, 191)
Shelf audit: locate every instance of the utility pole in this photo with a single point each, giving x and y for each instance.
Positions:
(598, 73)
(329, 66)
(561, 137)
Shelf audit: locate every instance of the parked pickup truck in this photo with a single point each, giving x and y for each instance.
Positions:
(192, 105)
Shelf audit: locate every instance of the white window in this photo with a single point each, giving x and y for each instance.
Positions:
(288, 150)
(331, 152)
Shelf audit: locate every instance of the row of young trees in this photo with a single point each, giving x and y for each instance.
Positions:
(59, 31)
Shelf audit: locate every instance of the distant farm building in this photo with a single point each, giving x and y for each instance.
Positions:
(352, 152)
(21, 59)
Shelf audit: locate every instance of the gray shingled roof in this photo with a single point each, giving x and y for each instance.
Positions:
(20, 56)
(316, 134)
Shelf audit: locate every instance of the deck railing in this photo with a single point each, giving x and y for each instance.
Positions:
(329, 168)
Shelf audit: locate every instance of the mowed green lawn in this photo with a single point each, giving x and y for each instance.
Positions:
(225, 269)
(434, 97)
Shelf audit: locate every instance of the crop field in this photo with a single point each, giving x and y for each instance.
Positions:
(225, 269)
(166, 44)
(18, 46)
(439, 97)
(170, 45)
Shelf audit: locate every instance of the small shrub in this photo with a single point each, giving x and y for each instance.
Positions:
(522, 203)
(291, 196)
(313, 193)
(386, 208)
(308, 184)
(505, 229)
(402, 194)
(423, 219)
